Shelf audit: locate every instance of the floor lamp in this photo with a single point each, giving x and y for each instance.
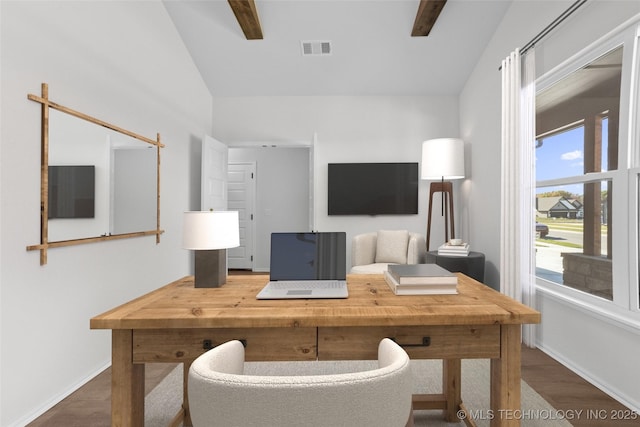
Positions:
(210, 233)
(442, 160)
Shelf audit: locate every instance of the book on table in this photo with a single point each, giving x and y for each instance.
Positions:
(454, 254)
(432, 289)
(454, 250)
(422, 274)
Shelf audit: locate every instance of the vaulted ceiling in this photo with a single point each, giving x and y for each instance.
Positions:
(371, 47)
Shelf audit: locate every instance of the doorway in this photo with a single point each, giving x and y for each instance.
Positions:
(241, 191)
(282, 197)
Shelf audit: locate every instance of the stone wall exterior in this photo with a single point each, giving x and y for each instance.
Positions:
(588, 273)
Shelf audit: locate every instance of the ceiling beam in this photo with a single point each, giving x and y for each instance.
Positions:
(428, 12)
(247, 16)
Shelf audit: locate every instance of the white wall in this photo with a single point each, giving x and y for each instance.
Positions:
(349, 129)
(122, 62)
(593, 342)
(480, 121)
(568, 331)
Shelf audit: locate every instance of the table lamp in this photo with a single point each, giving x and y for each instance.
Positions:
(442, 159)
(210, 233)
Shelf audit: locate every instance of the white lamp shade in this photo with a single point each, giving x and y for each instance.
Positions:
(210, 230)
(443, 158)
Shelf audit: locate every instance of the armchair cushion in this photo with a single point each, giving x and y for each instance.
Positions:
(391, 246)
(363, 252)
(374, 268)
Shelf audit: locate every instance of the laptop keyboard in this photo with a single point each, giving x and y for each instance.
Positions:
(316, 284)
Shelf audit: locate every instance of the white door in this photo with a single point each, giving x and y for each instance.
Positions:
(214, 174)
(241, 198)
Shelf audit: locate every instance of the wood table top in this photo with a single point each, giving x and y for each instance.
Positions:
(370, 303)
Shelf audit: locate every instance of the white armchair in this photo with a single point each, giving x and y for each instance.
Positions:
(371, 253)
(220, 395)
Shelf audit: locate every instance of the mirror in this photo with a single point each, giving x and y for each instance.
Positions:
(99, 182)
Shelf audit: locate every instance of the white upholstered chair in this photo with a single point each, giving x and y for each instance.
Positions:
(220, 395)
(371, 253)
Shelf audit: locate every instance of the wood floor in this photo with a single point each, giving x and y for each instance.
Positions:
(90, 405)
(568, 392)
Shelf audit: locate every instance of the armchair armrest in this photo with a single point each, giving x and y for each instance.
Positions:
(363, 249)
(417, 250)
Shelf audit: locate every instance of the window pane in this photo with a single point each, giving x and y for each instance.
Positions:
(573, 245)
(577, 121)
(560, 155)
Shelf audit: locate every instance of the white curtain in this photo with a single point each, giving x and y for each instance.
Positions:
(517, 257)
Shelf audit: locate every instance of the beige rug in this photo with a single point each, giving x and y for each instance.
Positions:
(163, 403)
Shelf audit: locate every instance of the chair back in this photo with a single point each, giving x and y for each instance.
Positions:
(365, 258)
(220, 395)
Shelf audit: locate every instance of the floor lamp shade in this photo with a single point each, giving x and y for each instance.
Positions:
(442, 160)
(210, 234)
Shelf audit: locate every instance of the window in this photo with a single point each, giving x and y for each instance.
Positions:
(576, 250)
(577, 152)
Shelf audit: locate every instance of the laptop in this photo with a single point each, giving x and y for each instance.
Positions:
(307, 265)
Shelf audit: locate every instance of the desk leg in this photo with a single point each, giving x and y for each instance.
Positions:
(506, 379)
(186, 422)
(451, 376)
(127, 382)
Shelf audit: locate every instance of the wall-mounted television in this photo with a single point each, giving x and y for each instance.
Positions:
(373, 188)
(71, 192)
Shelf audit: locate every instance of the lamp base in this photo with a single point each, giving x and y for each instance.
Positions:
(210, 268)
(446, 188)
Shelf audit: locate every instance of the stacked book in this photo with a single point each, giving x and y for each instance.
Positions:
(420, 279)
(454, 250)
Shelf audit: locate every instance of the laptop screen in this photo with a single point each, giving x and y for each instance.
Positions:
(308, 256)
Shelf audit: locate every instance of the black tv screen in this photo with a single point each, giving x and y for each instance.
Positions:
(71, 192)
(373, 188)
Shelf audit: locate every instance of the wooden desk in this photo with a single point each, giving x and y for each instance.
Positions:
(178, 322)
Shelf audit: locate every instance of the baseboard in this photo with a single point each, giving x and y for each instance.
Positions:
(587, 377)
(57, 399)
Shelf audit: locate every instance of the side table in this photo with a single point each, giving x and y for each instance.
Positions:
(472, 265)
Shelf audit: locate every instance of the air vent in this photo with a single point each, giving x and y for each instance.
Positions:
(316, 48)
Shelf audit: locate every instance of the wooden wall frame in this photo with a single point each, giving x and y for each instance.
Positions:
(45, 244)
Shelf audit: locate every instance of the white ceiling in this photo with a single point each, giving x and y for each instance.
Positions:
(373, 52)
